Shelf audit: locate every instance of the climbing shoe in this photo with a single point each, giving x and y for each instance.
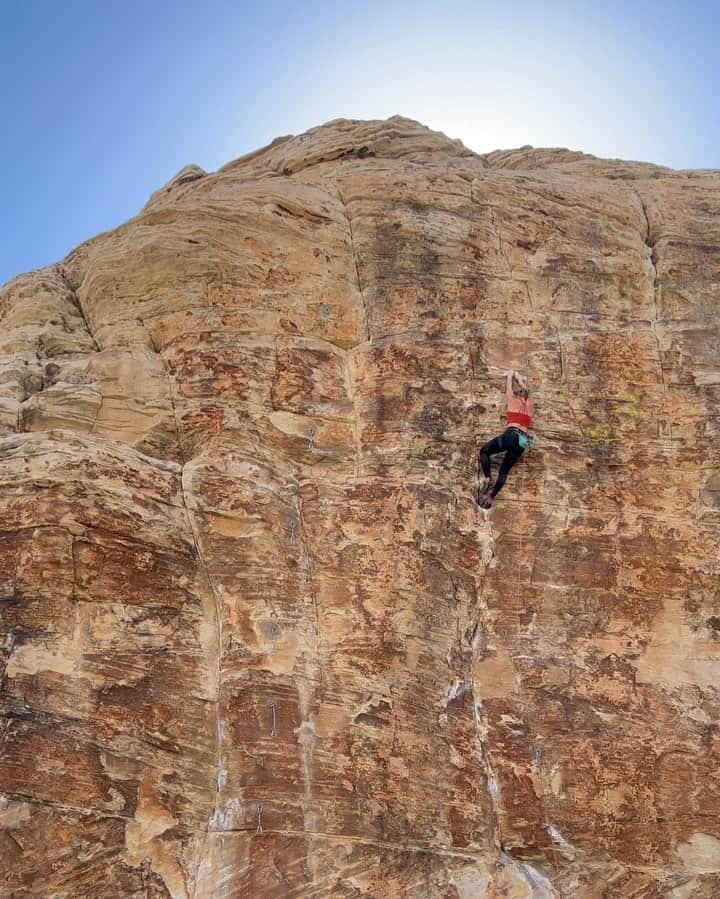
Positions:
(485, 486)
(487, 501)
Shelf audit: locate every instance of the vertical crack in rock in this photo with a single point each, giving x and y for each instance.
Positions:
(650, 242)
(171, 395)
(501, 246)
(493, 786)
(356, 424)
(218, 632)
(476, 637)
(76, 299)
(537, 752)
(305, 732)
(308, 563)
(5, 729)
(357, 267)
(171, 389)
(476, 642)
(475, 410)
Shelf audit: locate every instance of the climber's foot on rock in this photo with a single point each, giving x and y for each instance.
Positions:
(487, 501)
(484, 486)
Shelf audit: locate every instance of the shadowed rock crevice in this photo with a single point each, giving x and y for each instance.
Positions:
(78, 305)
(357, 269)
(651, 239)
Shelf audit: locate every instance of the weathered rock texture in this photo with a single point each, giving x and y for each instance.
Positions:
(258, 640)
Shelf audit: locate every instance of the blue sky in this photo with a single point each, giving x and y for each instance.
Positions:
(102, 102)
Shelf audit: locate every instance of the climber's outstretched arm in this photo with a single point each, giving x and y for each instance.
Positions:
(508, 384)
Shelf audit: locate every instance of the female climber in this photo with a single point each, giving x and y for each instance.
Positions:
(513, 441)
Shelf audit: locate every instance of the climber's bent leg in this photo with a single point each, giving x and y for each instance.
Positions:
(507, 464)
(491, 448)
(513, 452)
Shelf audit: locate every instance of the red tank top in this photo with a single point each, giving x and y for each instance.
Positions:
(519, 419)
(519, 412)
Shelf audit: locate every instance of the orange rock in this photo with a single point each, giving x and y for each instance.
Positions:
(258, 640)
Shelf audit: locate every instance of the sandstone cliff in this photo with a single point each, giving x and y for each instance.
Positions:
(257, 640)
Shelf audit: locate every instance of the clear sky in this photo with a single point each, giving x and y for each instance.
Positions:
(104, 100)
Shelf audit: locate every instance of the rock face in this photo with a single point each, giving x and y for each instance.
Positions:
(257, 640)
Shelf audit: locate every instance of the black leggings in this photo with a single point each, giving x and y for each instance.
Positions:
(508, 443)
